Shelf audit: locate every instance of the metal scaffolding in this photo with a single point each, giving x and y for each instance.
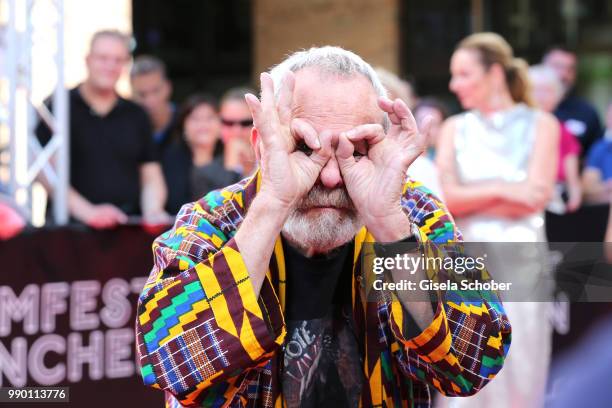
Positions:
(28, 161)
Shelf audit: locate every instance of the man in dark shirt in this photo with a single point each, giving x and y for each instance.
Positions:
(152, 90)
(578, 116)
(113, 164)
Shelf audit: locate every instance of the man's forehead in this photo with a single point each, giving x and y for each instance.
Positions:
(109, 44)
(152, 78)
(334, 99)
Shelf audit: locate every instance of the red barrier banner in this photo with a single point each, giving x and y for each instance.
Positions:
(67, 308)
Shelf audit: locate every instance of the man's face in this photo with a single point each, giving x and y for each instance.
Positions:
(236, 120)
(152, 91)
(326, 218)
(564, 63)
(106, 60)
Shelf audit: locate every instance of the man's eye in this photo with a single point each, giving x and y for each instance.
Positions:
(358, 155)
(303, 147)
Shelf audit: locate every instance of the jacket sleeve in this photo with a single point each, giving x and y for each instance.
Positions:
(200, 328)
(465, 345)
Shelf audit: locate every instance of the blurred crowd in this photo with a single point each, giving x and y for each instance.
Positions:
(524, 146)
(143, 158)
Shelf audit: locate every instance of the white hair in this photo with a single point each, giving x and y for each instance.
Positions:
(332, 60)
(322, 233)
(543, 74)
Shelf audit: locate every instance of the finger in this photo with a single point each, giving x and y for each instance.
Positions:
(259, 121)
(267, 94)
(371, 133)
(321, 155)
(265, 115)
(405, 116)
(344, 153)
(318, 159)
(285, 97)
(302, 130)
(264, 110)
(386, 105)
(254, 107)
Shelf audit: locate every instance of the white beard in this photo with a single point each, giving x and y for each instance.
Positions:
(321, 230)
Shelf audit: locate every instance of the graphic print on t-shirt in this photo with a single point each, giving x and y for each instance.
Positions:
(322, 365)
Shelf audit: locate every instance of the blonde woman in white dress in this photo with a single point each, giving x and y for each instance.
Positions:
(497, 164)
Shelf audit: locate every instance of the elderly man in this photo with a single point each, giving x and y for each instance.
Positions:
(256, 298)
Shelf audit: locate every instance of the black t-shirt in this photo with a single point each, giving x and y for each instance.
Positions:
(106, 152)
(211, 176)
(164, 137)
(187, 183)
(322, 359)
(581, 119)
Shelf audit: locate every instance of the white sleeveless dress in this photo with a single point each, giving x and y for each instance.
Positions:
(499, 147)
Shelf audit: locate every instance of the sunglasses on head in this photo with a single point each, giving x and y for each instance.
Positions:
(242, 123)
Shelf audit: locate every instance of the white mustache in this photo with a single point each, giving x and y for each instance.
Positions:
(319, 196)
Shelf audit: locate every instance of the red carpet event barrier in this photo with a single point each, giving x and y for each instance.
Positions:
(68, 298)
(67, 309)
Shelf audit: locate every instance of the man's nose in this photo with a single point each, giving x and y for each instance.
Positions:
(330, 174)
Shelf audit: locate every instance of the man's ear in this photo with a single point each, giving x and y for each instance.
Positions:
(255, 142)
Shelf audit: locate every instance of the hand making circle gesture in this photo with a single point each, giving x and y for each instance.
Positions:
(375, 180)
(287, 173)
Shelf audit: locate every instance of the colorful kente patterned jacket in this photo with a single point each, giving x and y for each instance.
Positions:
(207, 340)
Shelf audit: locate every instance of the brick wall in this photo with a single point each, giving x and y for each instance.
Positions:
(367, 27)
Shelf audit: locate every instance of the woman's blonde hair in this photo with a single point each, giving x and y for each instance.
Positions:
(494, 49)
